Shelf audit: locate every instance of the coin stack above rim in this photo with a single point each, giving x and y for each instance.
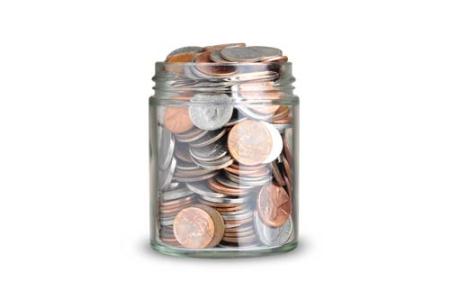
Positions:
(226, 152)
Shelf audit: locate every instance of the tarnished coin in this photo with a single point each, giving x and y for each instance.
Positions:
(274, 205)
(177, 120)
(198, 227)
(210, 112)
(250, 142)
(273, 237)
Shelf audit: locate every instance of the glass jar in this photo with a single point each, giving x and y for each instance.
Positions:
(223, 159)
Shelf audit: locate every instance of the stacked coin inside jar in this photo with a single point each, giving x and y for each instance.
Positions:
(225, 148)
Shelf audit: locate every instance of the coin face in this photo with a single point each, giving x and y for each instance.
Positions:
(210, 112)
(177, 120)
(250, 142)
(193, 228)
(274, 205)
(240, 54)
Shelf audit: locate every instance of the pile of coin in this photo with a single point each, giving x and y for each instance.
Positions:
(225, 154)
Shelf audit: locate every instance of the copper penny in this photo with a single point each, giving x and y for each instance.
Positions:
(174, 62)
(250, 142)
(177, 120)
(198, 227)
(274, 205)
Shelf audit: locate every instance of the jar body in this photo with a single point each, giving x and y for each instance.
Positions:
(223, 172)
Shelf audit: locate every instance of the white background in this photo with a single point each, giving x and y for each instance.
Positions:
(374, 80)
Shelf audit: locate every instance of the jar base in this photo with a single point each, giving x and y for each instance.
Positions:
(226, 252)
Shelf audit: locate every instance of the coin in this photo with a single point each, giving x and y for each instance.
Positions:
(250, 142)
(222, 46)
(204, 64)
(277, 143)
(271, 236)
(210, 112)
(274, 205)
(165, 176)
(190, 136)
(267, 52)
(184, 49)
(176, 194)
(198, 227)
(166, 148)
(240, 54)
(288, 144)
(177, 120)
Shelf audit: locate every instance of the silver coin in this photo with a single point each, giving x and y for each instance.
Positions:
(210, 112)
(202, 189)
(166, 221)
(186, 166)
(175, 194)
(282, 127)
(246, 181)
(166, 148)
(267, 52)
(216, 164)
(247, 111)
(196, 178)
(226, 200)
(277, 143)
(182, 152)
(210, 152)
(165, 176)
(215, 56)
(241, 54)
(270, 236)
(231, 184)
(253, 76)
(186, 49)
(210, 138)
(191, 135)
(237, 216)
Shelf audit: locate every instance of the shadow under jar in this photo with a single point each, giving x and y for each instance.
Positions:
(223, 159)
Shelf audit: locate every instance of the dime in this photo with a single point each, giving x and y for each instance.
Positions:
(271, 236)
(250, 142)
(177, 120)
(274, 205)
(210, 112)
(198, 227)
(191, 136)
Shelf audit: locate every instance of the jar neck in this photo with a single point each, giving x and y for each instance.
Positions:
(252, 80)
